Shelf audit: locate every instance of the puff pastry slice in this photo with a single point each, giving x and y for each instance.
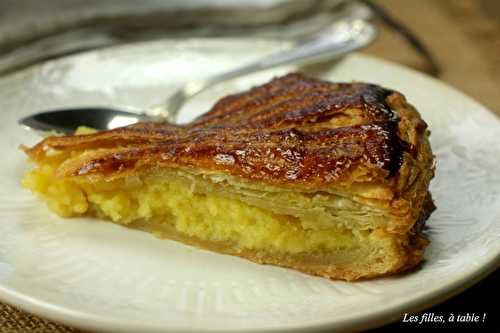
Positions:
(330, 179)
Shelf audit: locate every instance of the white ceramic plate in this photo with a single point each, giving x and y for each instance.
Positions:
(101, 276)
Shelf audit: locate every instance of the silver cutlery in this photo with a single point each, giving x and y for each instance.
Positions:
(338, 39)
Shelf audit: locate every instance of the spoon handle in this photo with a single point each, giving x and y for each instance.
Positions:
(341, 38)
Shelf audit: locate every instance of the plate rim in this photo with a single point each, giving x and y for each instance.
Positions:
(81, 320)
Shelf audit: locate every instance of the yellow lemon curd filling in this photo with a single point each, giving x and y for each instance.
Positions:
(204, 216)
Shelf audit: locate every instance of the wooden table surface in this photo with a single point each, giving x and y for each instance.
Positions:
(464, 37)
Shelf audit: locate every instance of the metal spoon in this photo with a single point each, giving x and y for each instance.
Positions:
(338, 39)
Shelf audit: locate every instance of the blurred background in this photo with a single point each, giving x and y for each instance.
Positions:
(457, 41)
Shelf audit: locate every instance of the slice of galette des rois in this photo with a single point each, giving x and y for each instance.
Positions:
(330, 179)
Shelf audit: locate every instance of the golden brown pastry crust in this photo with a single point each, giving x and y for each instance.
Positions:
(296, 133)
(284, 133)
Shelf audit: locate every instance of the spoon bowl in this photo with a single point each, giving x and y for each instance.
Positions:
(66, 121)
